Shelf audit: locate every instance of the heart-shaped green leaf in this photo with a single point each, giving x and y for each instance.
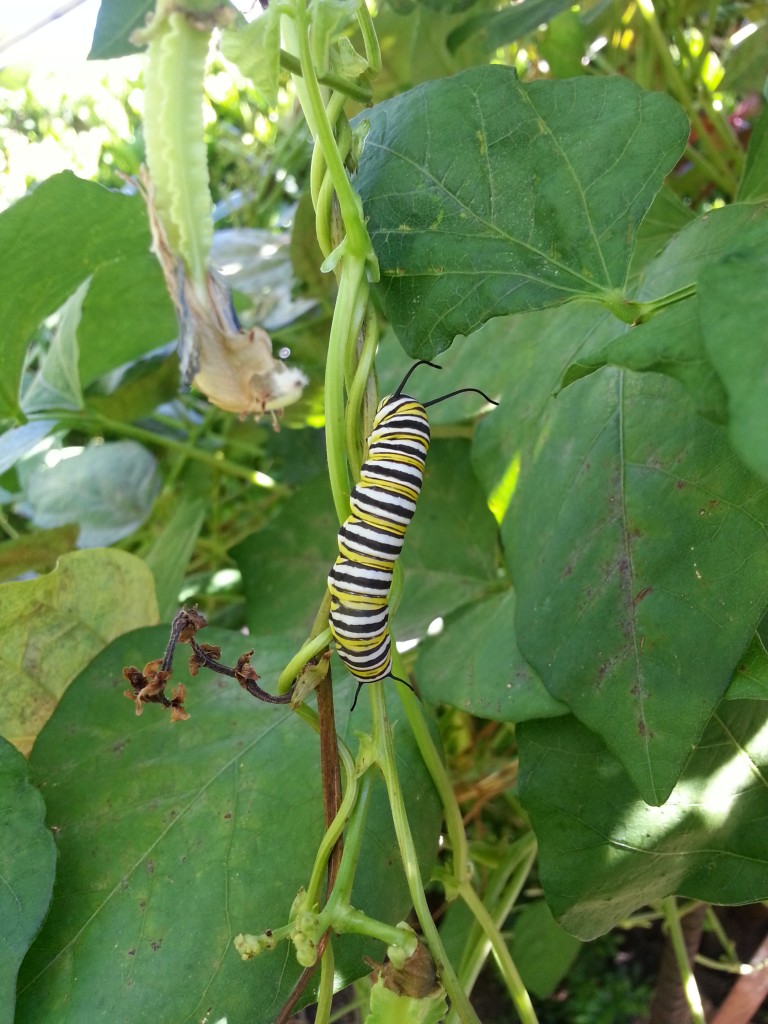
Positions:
(485, 195)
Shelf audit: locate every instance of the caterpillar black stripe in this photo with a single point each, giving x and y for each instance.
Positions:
(382, 503)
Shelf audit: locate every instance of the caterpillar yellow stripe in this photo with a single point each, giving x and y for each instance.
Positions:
(382, 505)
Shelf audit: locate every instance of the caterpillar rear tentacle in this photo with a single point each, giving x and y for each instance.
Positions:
(370, 540)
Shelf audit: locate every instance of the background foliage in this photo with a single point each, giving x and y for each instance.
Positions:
(586, 575)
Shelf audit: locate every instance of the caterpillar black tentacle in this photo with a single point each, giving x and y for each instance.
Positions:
(382, 505)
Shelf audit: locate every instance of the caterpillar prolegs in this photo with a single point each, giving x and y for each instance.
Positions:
(382, 505)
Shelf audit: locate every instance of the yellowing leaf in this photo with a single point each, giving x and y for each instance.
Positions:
(55, 624)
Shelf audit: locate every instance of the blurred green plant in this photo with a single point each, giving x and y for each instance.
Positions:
(585, 577)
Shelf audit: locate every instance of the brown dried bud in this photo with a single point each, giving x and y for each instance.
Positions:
(193, 620)
(134, 677)
(244, 671)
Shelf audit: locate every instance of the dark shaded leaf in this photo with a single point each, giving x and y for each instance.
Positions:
(285, 566)
(507, 25)
(754, 180)
(171, 551)
(35, 551)
(543, 952)
(604, 853)
(670, 343)
(448, 560)
(750, 681)
(27, 867)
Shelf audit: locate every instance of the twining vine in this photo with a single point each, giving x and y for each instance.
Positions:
(176, 198)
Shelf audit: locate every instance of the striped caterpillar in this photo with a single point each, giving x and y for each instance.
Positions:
(382, 505)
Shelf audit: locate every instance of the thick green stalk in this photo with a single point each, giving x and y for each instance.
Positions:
(325, 990)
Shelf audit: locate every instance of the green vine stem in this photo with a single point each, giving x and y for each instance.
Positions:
(354, 90)
(337, 827)
(434, 765)
(495, 939)
(691, 989)
(385, 756)
(88, 419)
(501, 895)
(325, 989)
(630, 312)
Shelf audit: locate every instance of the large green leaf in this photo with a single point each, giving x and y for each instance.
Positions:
(637, 543)
(577, 476)
(475, 665)
(126, 313)
(27, 865)
(174, 838)
(55, 624)
(487, 196)
(671, 343)
(50, 241)
(736, 340)
(604, 853)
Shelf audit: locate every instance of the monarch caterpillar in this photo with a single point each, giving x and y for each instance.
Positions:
(382, 505)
